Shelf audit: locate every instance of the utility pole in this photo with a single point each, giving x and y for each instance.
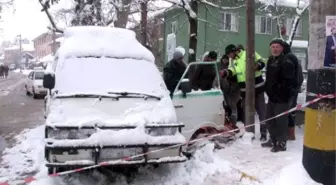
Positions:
(144, 22)
(250, 63)
(20, 50)
(319, 150)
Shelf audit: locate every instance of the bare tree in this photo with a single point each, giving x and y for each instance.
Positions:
(299, 12)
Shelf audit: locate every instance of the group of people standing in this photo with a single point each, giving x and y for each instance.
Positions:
(282, 84)
(4, 69)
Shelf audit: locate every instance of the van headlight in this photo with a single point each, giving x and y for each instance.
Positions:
(69, 133)
(161, 131)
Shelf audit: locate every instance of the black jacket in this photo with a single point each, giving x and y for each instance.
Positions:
(280, 73)
(172, 73)
(204, 77)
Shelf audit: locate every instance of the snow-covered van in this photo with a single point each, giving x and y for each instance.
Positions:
(107, 102)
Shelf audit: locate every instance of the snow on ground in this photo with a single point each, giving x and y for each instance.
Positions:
(24, 71)
(208, 166)
(25, 157)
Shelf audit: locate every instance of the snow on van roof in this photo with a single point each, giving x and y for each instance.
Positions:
(81, 41)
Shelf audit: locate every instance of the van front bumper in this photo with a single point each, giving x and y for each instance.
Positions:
(67, 154)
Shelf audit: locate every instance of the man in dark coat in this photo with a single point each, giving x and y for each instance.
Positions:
(280, 75)
(5, 71)
(173, 71)
(291, 116)
(1, 71)
(204, 75)
(231, 92)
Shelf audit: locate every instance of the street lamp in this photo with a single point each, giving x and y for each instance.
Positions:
(20, 43)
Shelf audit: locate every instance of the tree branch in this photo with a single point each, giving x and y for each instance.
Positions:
(52, 22)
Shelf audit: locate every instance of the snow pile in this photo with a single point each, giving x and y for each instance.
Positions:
(23, 71)
(84, 41)
(293, 174)
(286, 3)
(300, 44)
(206, 168)
(26, 157)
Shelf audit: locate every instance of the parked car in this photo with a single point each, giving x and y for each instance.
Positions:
(34, 84)
(107, 102)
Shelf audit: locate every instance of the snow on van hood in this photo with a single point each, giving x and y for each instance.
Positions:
(108, 112)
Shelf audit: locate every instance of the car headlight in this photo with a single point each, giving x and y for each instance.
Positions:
(69, 133)
(161, 131)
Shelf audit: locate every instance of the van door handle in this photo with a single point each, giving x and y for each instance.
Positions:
(178, 106)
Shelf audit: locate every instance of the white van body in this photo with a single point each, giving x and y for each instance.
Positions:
(109, 103)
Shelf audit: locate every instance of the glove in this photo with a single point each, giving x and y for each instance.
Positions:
(223, 73)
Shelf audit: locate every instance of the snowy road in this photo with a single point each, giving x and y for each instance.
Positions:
(17, 111)
(24, 155)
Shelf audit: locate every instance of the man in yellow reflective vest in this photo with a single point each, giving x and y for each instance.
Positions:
(237, 69)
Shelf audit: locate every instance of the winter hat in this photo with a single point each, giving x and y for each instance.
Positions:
(177, 54)
(278, 41)
(181, 49)
(213, 55)
(230, 48)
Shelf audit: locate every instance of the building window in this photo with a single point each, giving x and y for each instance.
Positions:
(228, 22)
(174, 26)
(302, 59)
(289, 27)
(263, 25)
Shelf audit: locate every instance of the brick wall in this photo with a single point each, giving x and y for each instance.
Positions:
(43, 44)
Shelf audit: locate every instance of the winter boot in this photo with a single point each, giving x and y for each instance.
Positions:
(291, 133)
(279, 147)
(268, 144)
(263, 137)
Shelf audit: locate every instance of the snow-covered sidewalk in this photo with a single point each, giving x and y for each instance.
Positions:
(208, 166)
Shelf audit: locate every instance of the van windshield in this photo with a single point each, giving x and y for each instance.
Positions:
(91, 75)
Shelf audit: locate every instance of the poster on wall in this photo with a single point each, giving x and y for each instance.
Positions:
(330, 51)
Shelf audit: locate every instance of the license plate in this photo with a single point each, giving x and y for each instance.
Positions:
(120, 153)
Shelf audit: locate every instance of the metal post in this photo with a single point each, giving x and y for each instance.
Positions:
(20, 43)
(250, 63)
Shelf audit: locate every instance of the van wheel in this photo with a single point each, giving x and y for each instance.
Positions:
(200, 133)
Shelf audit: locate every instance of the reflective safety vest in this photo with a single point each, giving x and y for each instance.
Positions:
(238, 66)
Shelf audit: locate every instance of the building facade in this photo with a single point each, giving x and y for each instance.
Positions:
(218, 27)
(44, 44)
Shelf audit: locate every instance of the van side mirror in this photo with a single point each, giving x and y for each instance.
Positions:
(49, 81)
(185, 86)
